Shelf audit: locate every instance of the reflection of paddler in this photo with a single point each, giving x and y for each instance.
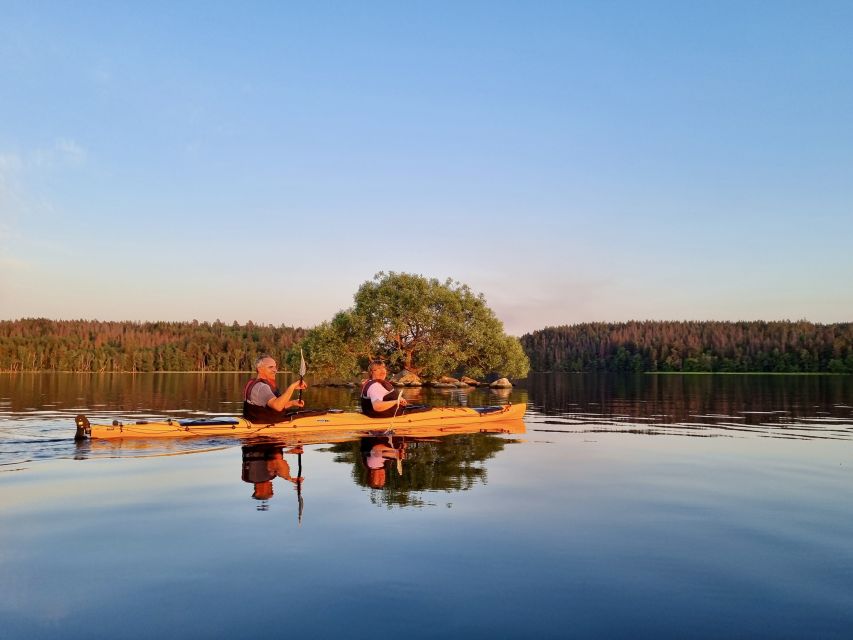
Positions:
(375, 453)
(263, 463)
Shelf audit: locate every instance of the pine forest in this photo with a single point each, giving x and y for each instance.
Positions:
(657, 346)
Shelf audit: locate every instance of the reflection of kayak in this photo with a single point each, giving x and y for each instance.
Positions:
(304, 422)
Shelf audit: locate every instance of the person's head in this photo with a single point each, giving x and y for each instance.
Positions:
(263, 491)
(377, 370)
(266, 367)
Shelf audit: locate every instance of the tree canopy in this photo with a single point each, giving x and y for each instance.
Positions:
(428, 327)
(39, 344)
(780, 346)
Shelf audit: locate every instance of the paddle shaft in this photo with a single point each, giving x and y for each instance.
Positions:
(299, 488)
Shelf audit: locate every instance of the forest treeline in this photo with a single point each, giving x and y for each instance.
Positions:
(693, 346)
(90, 345)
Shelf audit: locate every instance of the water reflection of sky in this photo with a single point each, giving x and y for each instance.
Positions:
(580, 527)
(620, 535)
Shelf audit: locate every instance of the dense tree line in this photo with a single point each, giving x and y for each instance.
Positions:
(89, 345)
(693, 346)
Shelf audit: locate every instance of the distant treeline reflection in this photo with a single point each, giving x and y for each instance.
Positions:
(93, 346)
(783, 347)
(680, 398)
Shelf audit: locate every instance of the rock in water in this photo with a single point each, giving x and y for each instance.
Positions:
(406, 379)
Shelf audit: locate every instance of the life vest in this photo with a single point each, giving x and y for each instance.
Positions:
(262, 415)
(367, 404)
(256, 464)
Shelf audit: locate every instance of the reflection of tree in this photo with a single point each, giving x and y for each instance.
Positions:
(184, 394)
(451, 463)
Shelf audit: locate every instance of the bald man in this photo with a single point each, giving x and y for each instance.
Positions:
(262, 400)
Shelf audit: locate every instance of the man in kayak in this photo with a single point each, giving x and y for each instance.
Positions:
(378, 397)
(262, 401)
(262, 464)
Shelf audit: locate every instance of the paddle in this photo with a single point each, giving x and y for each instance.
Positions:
(396, 409)
(299, 488)
(302, 370)
(391, 430)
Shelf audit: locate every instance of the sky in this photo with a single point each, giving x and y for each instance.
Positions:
(571, 161)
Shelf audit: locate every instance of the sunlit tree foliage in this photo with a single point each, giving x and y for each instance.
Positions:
(89, 345)
(422, 325)
(693, 346)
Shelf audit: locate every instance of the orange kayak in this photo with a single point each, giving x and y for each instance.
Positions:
(305, 422)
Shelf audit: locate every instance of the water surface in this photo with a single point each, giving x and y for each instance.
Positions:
(669, 506)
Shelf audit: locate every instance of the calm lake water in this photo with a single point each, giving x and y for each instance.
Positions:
(646, 506)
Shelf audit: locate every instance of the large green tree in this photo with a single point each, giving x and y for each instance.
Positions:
(428, 327)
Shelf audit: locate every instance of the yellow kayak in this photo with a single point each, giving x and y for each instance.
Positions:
(304, 422)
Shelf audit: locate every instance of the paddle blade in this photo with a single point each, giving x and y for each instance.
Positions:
(302, 368)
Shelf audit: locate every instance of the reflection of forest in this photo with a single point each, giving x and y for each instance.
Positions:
(450, 463)
(190, 393)
(146, 392)
(678, 397)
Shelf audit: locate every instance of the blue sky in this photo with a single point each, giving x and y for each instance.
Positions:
(572, 161)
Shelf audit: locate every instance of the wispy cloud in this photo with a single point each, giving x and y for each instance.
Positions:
(64, 152)
(19, 204)
(9, 162)
(17, 167)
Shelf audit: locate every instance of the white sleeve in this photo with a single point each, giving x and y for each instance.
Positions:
(376, 392)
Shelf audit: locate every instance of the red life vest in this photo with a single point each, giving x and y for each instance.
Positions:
(367, 404)
(255, 413)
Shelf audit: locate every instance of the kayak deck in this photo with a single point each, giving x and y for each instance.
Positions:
(301, 422)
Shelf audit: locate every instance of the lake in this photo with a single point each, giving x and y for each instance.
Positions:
(644, 506)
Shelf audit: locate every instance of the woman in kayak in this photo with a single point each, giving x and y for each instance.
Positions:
(378, 397)
(262, 401)
(375, 452)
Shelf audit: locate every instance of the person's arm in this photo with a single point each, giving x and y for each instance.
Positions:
(390, 453)
(376, 393)
(382, 405)
(284, 402)
(281, 468)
